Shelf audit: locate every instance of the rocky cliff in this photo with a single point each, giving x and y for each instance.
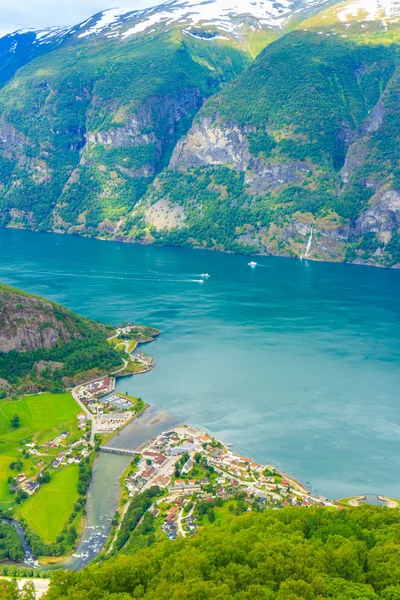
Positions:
(46, 346)
(30, 323)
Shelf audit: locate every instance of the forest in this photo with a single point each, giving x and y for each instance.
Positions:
(292, 554)
(10, 544)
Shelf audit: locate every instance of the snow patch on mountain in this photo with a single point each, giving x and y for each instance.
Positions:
(42, 36)
(106, 20)
(227, 15)
(370, 10)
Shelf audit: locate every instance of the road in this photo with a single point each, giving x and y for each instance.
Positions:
(179, 523)
(124, 511)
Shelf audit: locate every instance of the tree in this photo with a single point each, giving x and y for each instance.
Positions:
(15, 421)
(44, 477)
(211, 514)
(8, 590)
(16, 465)
(20, 496)
(28, 591)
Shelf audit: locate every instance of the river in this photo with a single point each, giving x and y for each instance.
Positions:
(293, 362)
(104, 491)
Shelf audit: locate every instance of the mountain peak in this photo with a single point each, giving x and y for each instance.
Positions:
(230, 16)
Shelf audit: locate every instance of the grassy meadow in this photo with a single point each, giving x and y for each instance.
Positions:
(42, 418)
(47, 512)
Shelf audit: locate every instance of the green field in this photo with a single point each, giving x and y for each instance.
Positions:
(43, 417)
(6, 498)
(48, 510)
(222, 516)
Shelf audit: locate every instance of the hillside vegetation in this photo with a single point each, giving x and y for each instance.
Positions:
(270, 132)
(85, 129)
(306, 138)
(293, 554)
(46, 346)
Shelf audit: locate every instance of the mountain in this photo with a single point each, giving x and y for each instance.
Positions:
(250, 126)
(44, 345)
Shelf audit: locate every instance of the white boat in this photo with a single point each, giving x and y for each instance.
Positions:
(205, 276)
(252, 264)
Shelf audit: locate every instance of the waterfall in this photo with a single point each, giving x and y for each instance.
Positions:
(308, 248)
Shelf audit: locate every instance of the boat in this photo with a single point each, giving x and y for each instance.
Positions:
(205, 276)
(252, 264)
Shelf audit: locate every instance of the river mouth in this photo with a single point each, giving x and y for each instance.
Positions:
(104, 491)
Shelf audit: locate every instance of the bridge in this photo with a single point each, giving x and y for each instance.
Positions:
(119, 451)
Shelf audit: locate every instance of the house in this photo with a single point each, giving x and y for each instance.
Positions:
(147, 473)
(161, 481)
(178, 450)
(171, 514)
(188, 466)
(155, 457)
(21, 477)
(32, 487)
(185, 487)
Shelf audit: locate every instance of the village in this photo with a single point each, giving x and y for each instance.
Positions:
(192, 468)
(103, 412)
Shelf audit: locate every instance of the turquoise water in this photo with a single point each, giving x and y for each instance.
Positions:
(295, 363)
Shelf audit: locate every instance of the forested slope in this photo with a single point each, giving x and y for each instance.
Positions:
(304, 142)
(85, 128)
(293, 554)
(45, 346)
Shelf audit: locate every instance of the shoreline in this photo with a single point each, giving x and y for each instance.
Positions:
(227, 252)
(281, 477)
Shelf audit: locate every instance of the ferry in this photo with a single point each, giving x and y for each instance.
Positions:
(252, 264)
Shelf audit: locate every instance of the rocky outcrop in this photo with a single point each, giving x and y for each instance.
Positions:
(157, 113)
(12, 142)
(29, 323)
(357, 152)
(381, 216)
(263, 177)
(212, 142)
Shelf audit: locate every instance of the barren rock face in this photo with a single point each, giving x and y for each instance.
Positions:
(382, 215)
(212, 143)
(28, 323)
(209, 143)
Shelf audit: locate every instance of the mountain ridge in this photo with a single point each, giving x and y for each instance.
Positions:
(159, 126)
